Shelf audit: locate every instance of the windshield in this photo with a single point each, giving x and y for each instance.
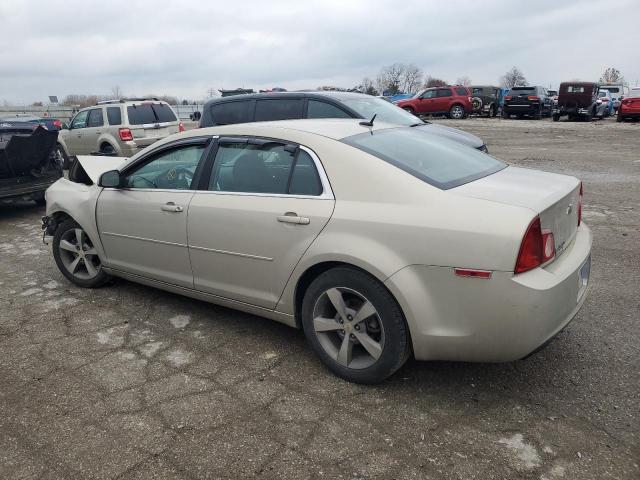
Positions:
(367, 107)
(436, 160)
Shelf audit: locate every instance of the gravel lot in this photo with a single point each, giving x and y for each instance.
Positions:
(131, 382)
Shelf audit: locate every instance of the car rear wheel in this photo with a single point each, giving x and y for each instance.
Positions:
(61, 156)
(77, 257)
(355, 326)
(107, 150)
(619, 118)
(556, 117)
(505, 114)
(456, 112)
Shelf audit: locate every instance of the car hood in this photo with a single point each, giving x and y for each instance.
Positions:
(453, 134)
(95, 166)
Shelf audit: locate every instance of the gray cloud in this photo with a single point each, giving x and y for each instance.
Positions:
(184, 48)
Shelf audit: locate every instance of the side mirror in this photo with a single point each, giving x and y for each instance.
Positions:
(110, 179)
(65, 126)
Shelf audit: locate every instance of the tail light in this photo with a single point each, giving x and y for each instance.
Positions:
(181, 127)
(533, 98)
(469, 98)
(125, 134)
(580, 206)
(537, 247)
(508, 97)
(57, 123)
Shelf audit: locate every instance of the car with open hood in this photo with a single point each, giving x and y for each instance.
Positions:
(29, 161)
(379, 241)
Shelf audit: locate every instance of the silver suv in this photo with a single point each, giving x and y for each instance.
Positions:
(118, 127)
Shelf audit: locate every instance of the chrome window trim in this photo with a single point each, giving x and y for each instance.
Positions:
(327, 192)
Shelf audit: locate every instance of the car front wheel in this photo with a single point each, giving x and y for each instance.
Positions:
(410, 110)
(77, 257)
(456, 112)
(355, 325)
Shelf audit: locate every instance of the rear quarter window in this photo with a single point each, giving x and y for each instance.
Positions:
(114, 115)
(164, 113)
(437, 161)
(463, 91)
(231, 112)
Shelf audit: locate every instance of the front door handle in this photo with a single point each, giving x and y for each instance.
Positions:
(292, 217)
(171, 207)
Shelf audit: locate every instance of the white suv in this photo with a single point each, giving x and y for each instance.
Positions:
(118, 127)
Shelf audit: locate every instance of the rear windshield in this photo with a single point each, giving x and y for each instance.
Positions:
(384, 111)
(575, 89)
(613, 89)
(522, 91)
(438, 161)
(150, 113)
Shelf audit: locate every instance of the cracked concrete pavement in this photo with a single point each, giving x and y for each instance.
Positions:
(129, 382)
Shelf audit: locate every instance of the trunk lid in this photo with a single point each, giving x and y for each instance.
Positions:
(552, 196)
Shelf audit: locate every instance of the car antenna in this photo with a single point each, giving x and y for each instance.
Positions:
(370, 122)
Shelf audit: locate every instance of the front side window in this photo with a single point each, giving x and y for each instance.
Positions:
(278, 109)
(430, 94)
(80, 120)
(269, 168)
(114, 115)
(318, 109)
(436, 160)
(172, 169)
(95, 118)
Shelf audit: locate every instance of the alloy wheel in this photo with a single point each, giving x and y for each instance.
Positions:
(457, 112)
(348, 327)
(78, 254)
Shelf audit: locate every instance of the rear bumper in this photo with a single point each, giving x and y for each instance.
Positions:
(522, 109)
(503, 318)
(629, 113)
(26, 186)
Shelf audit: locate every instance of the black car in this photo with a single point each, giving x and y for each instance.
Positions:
(29, 163)
(485, 99)
(320, 104)
(533, 102)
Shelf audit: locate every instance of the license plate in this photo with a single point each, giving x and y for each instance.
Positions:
(583, 277)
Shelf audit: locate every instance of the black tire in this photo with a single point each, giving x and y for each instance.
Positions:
(107, 149)
(556, 117)
(100, 279)
(40, 201)
(396, 347)
(493, 111)
(456, 112)
(619, 118)
(505, 114)
(410, 110)
(538, 114)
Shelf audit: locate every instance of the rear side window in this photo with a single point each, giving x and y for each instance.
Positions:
(463, 91)
(150, 113)
(278, 109)
(95, 118)
(436, 160)
(444, 92)
(304, 178)
(317, 109)
(114, 115)
(231, 112)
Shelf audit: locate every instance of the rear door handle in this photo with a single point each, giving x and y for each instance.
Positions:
(292, 217)
(171, 207)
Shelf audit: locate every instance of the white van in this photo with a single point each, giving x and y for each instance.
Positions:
(616, 91)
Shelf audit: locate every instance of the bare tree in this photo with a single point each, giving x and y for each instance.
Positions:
(367, 87)
(391, 78)
(212, 92)
(513, 78)
(434, 82)
(411, 79)
(464, 80)
(611, 75)
(116, 92)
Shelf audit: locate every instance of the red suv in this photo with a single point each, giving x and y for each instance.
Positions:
(630, 106)
(454, 101)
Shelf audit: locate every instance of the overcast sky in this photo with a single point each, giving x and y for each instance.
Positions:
(184, 48)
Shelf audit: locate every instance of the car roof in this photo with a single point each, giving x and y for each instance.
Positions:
(338, 95)
(334, 128)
